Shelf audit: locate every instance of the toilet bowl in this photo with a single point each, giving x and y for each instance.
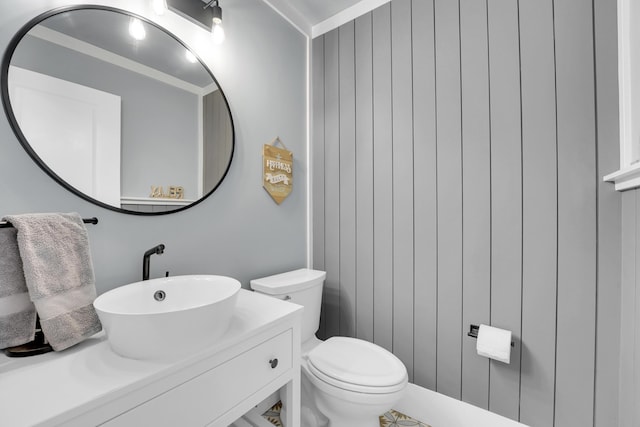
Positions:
(345, 381)
(354, 381)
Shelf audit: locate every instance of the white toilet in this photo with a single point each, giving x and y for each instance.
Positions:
(346, 382)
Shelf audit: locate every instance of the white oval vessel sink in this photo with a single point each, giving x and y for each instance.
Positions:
(168, 317)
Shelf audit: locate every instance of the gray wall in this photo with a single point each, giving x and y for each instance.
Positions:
(238, 231)
(630, 312)
(458, 150)
(159, 121)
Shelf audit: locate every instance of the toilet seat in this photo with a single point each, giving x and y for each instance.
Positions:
(356, 365)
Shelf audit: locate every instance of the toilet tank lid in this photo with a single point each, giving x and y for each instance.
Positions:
(290, 281)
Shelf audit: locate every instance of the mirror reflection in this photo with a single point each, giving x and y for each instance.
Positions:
(118, 110)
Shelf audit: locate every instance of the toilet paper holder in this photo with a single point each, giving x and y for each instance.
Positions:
(473, 332)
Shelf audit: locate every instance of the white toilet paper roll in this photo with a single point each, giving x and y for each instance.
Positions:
(494, 343)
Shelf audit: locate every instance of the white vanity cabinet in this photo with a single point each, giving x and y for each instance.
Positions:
(205, 399)
(90, 385)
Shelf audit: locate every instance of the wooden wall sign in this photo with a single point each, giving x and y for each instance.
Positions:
(277, 170)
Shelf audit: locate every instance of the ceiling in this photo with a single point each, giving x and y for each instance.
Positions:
(315, 17)
(317, 11)
(89, 29)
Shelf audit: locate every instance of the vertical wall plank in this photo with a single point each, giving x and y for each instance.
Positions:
(347, 189)
(402, 182)
(449, 197)
(217, 130)
(609, 239)
(425, 209)
(317, 146)
(476, 181)
(364, 176)
(383, 169)
(539, 188)
(332, 183)
(628, 298)
(506, 193)
(635, 413)
(575, 358)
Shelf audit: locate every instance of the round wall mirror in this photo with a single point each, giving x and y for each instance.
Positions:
(117, 110)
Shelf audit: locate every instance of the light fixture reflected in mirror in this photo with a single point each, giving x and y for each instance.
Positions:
(136, 29)
(159, 6)
(190, 56)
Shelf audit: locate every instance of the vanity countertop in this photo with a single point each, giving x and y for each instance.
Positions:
(53, 388)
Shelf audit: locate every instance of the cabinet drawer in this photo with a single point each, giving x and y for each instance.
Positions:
(203, 399)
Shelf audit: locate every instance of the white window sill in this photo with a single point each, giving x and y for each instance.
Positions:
(625, 179)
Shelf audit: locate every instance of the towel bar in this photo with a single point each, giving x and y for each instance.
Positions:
(39, 345)
(94, 220)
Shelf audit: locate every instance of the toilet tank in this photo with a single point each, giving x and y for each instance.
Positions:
(303, 287)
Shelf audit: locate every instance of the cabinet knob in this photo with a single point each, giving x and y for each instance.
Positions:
(273, 362)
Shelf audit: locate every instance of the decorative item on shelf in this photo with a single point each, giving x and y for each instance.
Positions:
(277, 170)
(175, 192)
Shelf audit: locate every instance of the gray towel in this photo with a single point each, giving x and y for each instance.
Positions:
(17, 312)
(59, 274)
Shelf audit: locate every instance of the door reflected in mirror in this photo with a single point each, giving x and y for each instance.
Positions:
(133, 123)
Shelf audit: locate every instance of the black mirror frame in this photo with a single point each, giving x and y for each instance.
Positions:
(6, 103)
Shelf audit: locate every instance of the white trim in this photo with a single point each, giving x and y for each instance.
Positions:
(309, 161)
(155, 201)
(625, 179)
(200, 190)
(345, 16)
(628, 176)
(625, 79)
(64, 40)
(437, 409)
(209, 89)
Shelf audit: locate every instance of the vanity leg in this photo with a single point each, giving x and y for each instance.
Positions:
(293, 398)
(293, 387)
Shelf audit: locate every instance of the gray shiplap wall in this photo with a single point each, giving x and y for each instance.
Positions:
(630, 311)
(457, 153)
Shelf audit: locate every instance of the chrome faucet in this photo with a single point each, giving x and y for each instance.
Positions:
(159, 249)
